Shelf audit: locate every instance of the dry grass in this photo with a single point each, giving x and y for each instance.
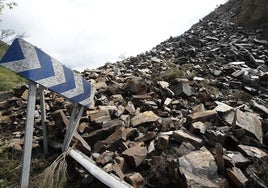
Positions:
(55, 175)
(178, 71)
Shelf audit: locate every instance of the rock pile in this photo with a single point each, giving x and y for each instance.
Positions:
(193, 111)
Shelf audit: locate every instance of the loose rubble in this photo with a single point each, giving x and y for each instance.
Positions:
(191, 112)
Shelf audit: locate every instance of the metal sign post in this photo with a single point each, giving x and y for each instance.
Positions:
(27, 148)
(43, 119)
(72, 126)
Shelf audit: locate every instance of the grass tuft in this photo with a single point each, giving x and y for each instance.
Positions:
(55, 175)
(178, 71)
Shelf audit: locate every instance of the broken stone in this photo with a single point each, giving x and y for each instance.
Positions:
(155, 60)
(100, 85)
(182, 136)
(151, 147)
(246, 120)
(135, 155)
(181, 89)
(105, 158)
(235, 158)
(118, 171)
(120, 110)
(16, 144)
(82, 144)
(264, 80)
(162, 142)
(249, 122)
(99, 134)
(237, 177)
(136, 180)
(120, 161)
(82, 126)
(167, 101)
(117, 98)
(199, 168)
(252, 151)
(185, 148)
(19, 90)
(57, 99)
(6, 119)
(120, 134)
(99, 116)
(198, 108)
(130, 107)
(198, 126)
(238, 73)
(212, 38)
(136, 85)
(200, 161)
(163, 84)
(4, 104)
(125, 119)
(259, 107)
(107, 107)
(139, 97)
(145, 117)
(151, 104)
(263, 42)
(108, 168)
(222, 107)
(213, 136)
(219, 158)
(148, 136)
(204, 94)
(201, 116)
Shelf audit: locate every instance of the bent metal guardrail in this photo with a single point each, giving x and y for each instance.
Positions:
(35, 65)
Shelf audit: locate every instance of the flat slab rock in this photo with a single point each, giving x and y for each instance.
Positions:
(235, 158)
(147, 116)
(246, 120)
(252, 151)
(237, 177)
(181, 136)
(99, 116)
(204, 115)
(200, 169)
(135, 155)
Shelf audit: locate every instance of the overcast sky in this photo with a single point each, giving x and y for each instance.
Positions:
(88, 33)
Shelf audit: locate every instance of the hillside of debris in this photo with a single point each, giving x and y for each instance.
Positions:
(250, 14)
(253, 14)
(191, 112)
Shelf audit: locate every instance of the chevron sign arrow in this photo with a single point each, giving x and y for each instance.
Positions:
(33, 64)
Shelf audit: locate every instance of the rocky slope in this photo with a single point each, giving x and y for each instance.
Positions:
(254, 14)
(193, 111)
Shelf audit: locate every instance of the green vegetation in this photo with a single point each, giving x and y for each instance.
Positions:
(175, 71)
(10, 166)
(8, 79)
(10, 161)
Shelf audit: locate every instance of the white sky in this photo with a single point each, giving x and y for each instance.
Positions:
(88, 33)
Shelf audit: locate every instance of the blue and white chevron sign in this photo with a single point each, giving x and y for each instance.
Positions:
(32, 63)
